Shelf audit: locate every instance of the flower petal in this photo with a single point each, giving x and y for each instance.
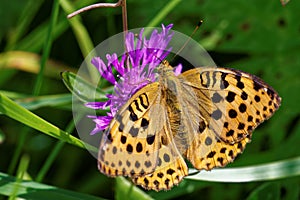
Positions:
(136, 68)
(101, 122)
(98, 105)
(105, 72)
(113, 60)
(177, 70)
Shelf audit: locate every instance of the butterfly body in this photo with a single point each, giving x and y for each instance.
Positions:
(205, 115)
(172, 91)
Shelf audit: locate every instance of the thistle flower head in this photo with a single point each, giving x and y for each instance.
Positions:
(135, 68)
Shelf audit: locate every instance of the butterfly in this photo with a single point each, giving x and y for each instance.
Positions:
(205, 115)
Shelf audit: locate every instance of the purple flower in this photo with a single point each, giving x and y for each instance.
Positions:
(136, 68)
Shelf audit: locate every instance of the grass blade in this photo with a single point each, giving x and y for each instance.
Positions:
(125, 190)
(17, 112)
(163, 13)
(33, 190)
(84, 40)
(264, 172)
(20, 173)
(47, 48)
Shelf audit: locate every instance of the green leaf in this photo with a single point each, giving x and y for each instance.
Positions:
(32, 103)
(34, 190)
(282, 189)
(20, 174)
(35, 39)
(28, 62)
(126, 190)
(47, 48)
(83, 89)
(84, 40)
(28, 12)
(163, 13)
(17, 112)
(269, 171)
(2, 136)
(81, 33)
(269, 191)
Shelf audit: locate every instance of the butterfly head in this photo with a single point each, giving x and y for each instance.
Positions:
(165, 69)
(167, 77)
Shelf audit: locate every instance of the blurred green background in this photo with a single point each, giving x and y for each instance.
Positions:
(259, 37)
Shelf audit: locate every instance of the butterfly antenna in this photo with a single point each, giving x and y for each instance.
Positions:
(189, 39)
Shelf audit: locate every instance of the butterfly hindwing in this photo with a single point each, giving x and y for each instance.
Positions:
(171, 168)
(207, 151)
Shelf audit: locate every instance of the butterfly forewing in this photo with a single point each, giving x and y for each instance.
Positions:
(131, 136)
(237, 101)
(138, 137)
(232, 103)
(207, 151)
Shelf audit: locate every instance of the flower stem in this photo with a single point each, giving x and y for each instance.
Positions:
(97, 5)
(121, 3)
(124, 16)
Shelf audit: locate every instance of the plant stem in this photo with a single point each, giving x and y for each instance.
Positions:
(93, 6)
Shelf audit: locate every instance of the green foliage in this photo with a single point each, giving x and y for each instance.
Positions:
(82, 89)
(34, 190)
(260, 37)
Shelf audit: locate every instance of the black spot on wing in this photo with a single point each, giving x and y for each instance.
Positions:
(224, 83)
(216, 98)
(217, 114)
(137, 164)
(239, 84)
(108, 136)
(202, 126)
(147, 163)
(150, 139)
(160, 175)
(129, 148)
(242, 108)
(133, 116)
(244, 95)
(230, 96)
(241, 126)
(208, 141)
(170, 171)
(226, 124)
(211, 154)
(256, 86)
(144, 123)
(139, 147)
(166, 157)
(257, 98)
(232, 113)
(134, 131)
(123, 139)
(167, 182)
(230, 133)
